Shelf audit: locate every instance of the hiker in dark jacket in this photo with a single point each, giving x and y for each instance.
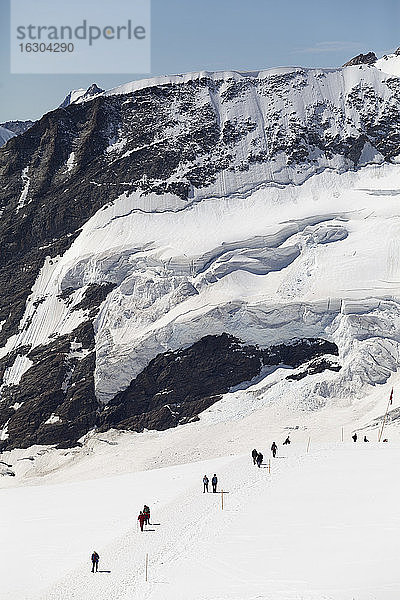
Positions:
(95, 561)
(146, 512)
(287, 441)
(214, 482)
(365, 439)
(354, 437)
(259, 459)
(254, 455)
(274, 449)
(205, 484)
(141, 519)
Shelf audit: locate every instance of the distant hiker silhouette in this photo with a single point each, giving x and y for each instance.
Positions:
(354, 437)
(205, 484)
(254, 456)
(259, 459)
(95, 561)
(287, 441)
(146, 512)
(365, 439)
(214, 482)
(274, 449)
(141, 519)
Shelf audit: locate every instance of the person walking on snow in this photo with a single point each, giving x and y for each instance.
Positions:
(146, 512)
(205, 484)
(95, 561)
(286, 442)
(365, 439)
(259, 459)
(274, 449)
(214, 482)
(254, 455)
(141, 519)
(354, 437)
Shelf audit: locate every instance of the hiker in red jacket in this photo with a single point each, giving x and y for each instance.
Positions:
(141, 518)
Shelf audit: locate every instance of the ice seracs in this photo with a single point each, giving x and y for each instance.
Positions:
(200, 205)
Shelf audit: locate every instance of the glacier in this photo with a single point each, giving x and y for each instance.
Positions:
(263, 205)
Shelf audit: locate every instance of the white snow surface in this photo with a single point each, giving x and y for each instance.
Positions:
(266, 257)
(258, 266)
(387, 64)
(390, 64)
(310, 529)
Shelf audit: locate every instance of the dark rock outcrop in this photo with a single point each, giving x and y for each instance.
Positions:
(176, 386)
(315, 366)
(55, 402)
(362, 59)
(94, 296)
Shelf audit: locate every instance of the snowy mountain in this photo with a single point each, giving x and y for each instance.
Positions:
(10, 129)
(81, 95)
(5, 135)
(389, 63)
(205, 238)
(17, 127)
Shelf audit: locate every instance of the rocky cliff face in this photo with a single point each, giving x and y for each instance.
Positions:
(362, 59)
(94, 275)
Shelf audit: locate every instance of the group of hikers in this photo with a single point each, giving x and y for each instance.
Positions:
(214, 482)
(355, 438)
(258, 456)
(144, 517)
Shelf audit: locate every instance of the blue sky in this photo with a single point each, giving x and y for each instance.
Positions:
(191, 35)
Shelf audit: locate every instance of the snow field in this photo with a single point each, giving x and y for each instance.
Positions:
(322, 525)
(56, 527)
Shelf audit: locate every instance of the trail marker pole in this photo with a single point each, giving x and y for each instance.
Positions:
(342, 434)
(147, 566)
(222, 499)
(386, 413)
(269, 466)
(308, 444)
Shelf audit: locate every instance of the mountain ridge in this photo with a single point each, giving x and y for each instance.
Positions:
(133, 223)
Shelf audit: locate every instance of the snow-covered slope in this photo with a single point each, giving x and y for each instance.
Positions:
(310, 528)
(390, 63)
(262, 206)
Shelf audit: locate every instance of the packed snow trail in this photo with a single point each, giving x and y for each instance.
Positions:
(321, 525)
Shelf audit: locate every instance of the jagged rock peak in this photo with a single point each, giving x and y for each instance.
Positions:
(362, 59)
(81, 94)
